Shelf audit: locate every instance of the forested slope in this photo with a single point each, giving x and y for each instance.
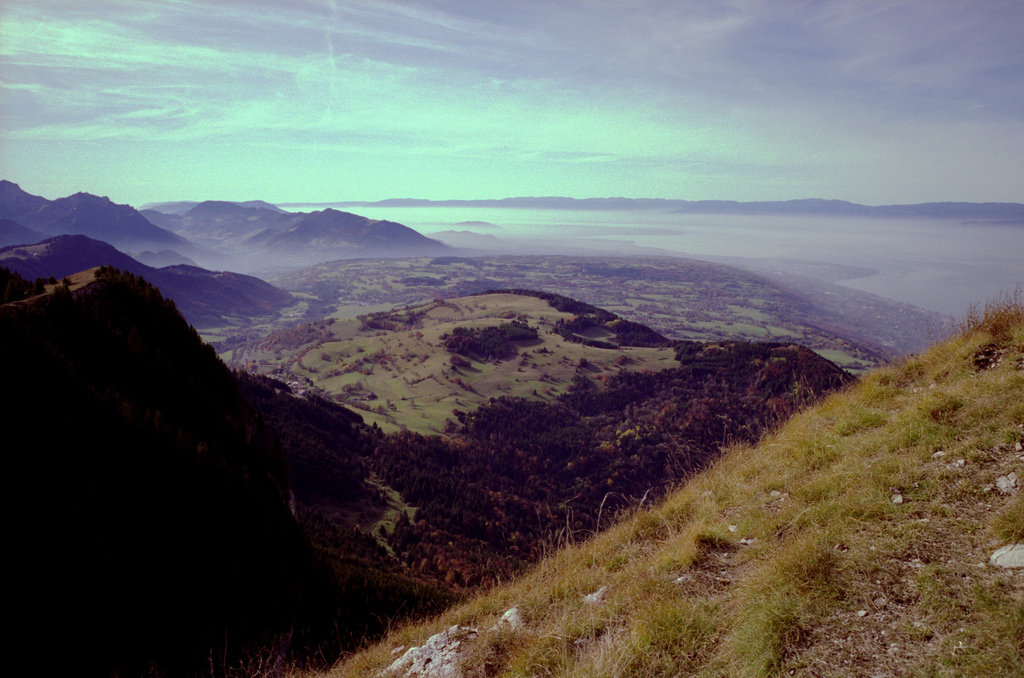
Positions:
(519, 474)
(150, 502)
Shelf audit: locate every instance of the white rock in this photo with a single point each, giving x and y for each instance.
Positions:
(437, 658)
(597, 596)
(862, 613)
(1007, 484)
(1011, 555)
(512, 619)
(897, 499)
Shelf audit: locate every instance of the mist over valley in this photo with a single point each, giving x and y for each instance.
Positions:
(941, 264)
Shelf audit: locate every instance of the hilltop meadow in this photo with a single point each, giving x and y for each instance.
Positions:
(397, 369)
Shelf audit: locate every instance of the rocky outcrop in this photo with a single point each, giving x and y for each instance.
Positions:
(1010, 556)
(437, 658)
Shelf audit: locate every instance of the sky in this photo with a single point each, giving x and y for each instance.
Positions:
(327, 100)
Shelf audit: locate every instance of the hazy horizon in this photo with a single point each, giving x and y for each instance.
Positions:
(935, 264)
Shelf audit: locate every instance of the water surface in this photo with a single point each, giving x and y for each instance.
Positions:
(939, 265)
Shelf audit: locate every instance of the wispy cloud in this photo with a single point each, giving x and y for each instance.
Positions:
(761, 89)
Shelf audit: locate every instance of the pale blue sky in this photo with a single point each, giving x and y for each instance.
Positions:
(321, 100)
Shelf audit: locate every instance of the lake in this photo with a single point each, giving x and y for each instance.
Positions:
(939, 265)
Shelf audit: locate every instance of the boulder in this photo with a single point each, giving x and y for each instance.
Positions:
(512, 620)
(597, 596)
(1007, 484)
(1011, 555)
(437, 658)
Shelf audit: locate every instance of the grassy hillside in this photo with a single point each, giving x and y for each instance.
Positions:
(854, 541)
(395, 368)
(614, 415)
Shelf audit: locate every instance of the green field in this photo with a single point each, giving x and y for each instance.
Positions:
(404, 378)
(681, 298)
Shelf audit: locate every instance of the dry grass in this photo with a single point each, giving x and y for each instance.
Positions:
(792, 557)
(997, 317)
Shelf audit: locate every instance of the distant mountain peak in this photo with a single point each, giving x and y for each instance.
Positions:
(84, 213)
(222, 208)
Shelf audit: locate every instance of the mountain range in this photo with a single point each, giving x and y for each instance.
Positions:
(300, 237)
(205, 298)
(85, 214)
(1006, 212)
(43, 238)
(218, 234)
(182, 206)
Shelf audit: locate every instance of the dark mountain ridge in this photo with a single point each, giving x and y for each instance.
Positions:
(251, 234)
(13, 233)
(204, 297)
(85, 214)
(152, 504)
(137, 455)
